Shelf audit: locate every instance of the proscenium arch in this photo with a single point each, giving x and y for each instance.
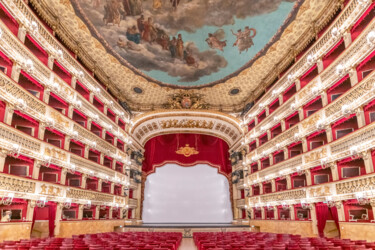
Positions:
(217, 124)
(162, 150)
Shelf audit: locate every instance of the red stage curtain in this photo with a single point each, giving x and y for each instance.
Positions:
(335, 217)
(321, 215)
(162, 149)
(51, 218)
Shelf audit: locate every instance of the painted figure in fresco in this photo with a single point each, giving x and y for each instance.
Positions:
(180, 47)
(173, 47)
(96, 3)
(126, 5)
(189, 59)
(112, 12)
(157, 4)
(136, 7)
(215, 43)
(140, 24)
(175, 3)
(133, 35)
(149, 33)
(244, 38)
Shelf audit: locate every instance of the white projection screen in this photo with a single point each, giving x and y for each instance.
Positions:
(176, 194)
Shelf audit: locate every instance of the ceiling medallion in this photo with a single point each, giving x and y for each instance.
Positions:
(185, 100)
(234, 91)
(187, 151)
(138, 90)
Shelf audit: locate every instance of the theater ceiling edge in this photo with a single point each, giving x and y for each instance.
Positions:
(213, 67)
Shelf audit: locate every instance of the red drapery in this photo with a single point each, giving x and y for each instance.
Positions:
(321, 216)
(163, 149)
(335, 217)
(51, 218)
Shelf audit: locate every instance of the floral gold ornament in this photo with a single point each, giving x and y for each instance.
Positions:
(187, 151)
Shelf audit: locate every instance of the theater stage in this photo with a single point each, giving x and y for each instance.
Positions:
(187, 229)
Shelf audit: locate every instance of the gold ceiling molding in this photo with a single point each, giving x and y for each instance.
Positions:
(121, 80)
(216, 124)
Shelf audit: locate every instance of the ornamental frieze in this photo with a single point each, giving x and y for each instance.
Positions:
(282, 196)
(186, 123)
(18, 138)
(316, 155)
(15, 91)
(16, 184)
(87, 195)
(358, 185)
(55, 153)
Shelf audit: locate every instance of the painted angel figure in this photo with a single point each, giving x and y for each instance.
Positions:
(214, 42)
(244, 38)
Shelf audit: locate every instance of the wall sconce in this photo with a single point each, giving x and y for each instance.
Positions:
(323, 162)
(21, 104)
(29, 66)
(371, 38)
(103, 207)
(41, 202)
(285, 206)
(305, 205)
(362, 200)
(72, 168)
(290, 78)
(340, 70)
(354, 152)
(67, 204)
(269, 207)
(310, 59)
(7, 200)
(87, 205)
(47, 160)
(346, 110)
(16, 149)
(335, 32)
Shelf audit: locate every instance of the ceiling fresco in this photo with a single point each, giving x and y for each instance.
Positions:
(185, 43)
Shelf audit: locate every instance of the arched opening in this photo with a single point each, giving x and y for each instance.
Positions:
(186, 180)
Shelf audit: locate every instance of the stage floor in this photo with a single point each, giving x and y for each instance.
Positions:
(187, 229)
(189, 225)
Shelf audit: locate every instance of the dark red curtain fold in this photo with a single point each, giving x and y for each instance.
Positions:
(51, 218)
(321, 216)
(335, 217)
(163, 149)
(34, 218)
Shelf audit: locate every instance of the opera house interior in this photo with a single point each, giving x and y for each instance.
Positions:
(187, 124)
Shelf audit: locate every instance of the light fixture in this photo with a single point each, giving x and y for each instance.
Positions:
(305, 205)
(1, 33)
(362, 199)
(335, 32)
(7, 200)
(87, 205)
(293, 106)
(371, 38)
(320, 124)
(72, 168)
(354, 151)
(29, 65)
(34, 26)
(68, 203)
(296, 137)
(284, 205)
(16, 149)
(310, 59)
(41, 202)
(340, 70)
(21, 104)
(60, 54)
(346, 110)
(290, 78)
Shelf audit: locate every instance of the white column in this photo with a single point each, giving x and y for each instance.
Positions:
(334, 171)
(319, 64)
(97, 211)
(22, 33)
(80, 212)
(84, 179)
(308, 177)
(42, 129)
(369, 166)
(361, 120)
(3, 156)
(288, 182)
(8, 116)
(63, 176)
(59, 209)
(36, 169)
(46, 95)
(100, 185)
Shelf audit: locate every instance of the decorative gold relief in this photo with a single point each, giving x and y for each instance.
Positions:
(54, 153)
(50, 190)
(186, 100)
(185, 123)
(314, 156)
(320, 191)
(187, 151)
